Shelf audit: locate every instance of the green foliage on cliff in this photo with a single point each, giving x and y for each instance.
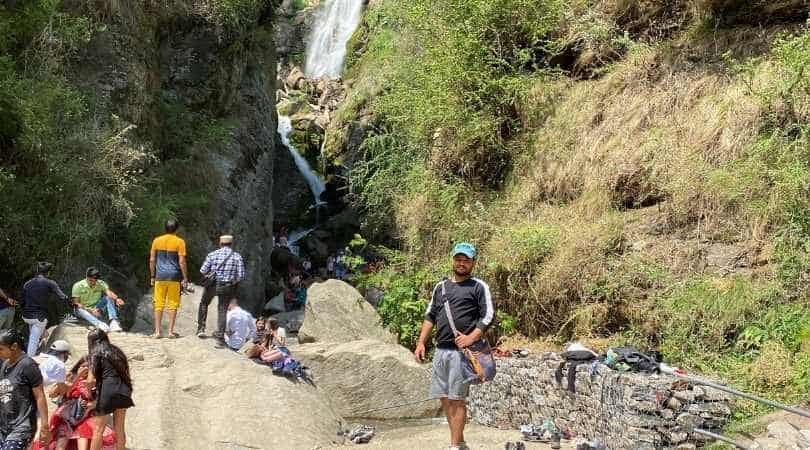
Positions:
(236, 13)
(463, 67)
(67, 176)
(78, 183)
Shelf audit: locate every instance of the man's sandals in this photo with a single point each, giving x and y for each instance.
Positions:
(170, 336)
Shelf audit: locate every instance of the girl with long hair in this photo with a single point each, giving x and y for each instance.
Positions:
(22, 398)
(109, 372)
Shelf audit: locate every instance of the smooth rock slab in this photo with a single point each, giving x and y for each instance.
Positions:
(190, 395)
(359, 376)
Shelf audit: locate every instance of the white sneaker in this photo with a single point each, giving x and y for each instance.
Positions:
(103, 327)
(115, 326)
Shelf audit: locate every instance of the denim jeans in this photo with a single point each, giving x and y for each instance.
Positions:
(35, 329)
(104, 304)
(6, 317)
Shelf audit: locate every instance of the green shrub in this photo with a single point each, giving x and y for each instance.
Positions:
(787, 324)
(704, 314)
(403, 306)
(523, 247)
(379, 176)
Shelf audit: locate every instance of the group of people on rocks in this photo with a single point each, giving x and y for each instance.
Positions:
(96, 387)
(91, 299)
(99, 384)
(263, 340)
(222, 271)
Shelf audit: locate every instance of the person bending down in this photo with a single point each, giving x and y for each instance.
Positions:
(71, 431)
(36, 297)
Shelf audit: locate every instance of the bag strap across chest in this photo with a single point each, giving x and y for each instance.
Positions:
(447, 310)
(222, 264)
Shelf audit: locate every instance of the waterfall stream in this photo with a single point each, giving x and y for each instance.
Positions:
(313, 180)
(335, 22)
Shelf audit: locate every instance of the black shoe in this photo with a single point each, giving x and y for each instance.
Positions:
(201, 334)
(555, 440)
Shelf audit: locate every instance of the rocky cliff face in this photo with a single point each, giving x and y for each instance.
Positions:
(198, 82)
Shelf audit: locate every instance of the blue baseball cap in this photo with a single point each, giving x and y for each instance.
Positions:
(466, 249)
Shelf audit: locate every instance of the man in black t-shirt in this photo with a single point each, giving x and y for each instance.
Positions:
(472, 310)
(36, 296)
(22, 397)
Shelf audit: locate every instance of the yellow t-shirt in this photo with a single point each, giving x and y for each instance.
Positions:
(168, 249)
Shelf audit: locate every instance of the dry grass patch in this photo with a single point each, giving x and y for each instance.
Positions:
(643, 135)
(773, 368)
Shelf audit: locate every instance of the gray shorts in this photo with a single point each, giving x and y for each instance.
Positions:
(448, 378)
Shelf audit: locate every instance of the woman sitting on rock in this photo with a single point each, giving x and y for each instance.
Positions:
(275, 340)
(109, 373)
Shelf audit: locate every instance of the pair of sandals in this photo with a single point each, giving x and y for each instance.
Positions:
(160, 336)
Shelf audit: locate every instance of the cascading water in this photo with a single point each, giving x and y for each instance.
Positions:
(334, 25)
(335, 22)
(313, 180)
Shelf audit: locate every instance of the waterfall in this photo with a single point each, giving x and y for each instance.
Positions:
(313, 180)
(333, 27)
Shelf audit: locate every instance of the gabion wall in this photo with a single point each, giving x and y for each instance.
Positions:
(622, 410)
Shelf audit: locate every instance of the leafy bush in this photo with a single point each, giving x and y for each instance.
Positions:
(403, 306)
(789, 325)
(73, 174)
(379, 176)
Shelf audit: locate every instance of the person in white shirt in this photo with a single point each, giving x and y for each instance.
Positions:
(52, 367)
(240, 327)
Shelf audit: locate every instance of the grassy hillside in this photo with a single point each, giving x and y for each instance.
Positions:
(634, 172)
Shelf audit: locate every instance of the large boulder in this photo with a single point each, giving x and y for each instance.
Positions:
(336, 312)
(364, 375)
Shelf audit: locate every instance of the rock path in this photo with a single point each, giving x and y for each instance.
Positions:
(191, 395)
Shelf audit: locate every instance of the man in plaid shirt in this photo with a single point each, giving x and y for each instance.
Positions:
(229, 269)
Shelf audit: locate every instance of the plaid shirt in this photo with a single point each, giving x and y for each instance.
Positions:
(230, 271)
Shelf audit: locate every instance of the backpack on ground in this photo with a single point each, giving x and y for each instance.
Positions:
(647, 362)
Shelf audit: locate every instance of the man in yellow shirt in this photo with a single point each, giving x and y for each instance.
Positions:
(167, 264)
